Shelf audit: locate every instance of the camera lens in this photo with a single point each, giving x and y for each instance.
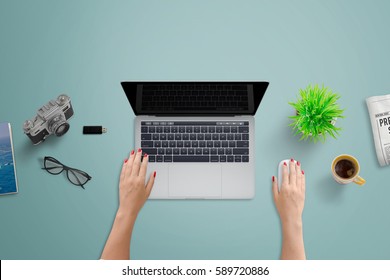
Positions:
(58, 125)
(61, 129)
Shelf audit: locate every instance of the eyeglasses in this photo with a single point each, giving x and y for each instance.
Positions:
(75, 176)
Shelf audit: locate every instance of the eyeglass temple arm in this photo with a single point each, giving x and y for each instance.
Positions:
(49, 168)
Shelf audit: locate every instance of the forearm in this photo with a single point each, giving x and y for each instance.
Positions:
(118, 243)
(293, 247)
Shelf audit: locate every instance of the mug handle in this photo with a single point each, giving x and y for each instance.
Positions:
(359, 180)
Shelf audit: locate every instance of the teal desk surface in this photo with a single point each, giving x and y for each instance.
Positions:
(86, 48)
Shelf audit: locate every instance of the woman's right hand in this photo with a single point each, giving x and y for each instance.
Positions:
(290, 199)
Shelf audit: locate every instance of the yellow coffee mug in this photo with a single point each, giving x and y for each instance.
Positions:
(346, 169)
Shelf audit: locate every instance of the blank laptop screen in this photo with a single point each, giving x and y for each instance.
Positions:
(194, 98)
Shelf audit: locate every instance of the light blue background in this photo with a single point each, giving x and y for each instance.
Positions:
(85, 48)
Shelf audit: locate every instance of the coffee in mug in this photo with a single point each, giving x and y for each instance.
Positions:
(345, 169)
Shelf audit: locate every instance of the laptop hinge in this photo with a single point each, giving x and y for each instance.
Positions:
(197, 115)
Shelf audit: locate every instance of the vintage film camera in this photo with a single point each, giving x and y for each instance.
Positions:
(50, 119)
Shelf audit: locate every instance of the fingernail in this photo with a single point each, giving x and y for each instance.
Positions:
(292, 160)
(132, 152)
(139, 150)
(273, 178)
(154, 174)
(303, 172)
(285, 164)
(298, 163)
(126, 160)
(145, 155)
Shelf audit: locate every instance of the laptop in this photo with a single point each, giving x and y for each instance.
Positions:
(199, 136)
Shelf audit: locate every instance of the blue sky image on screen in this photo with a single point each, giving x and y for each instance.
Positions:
(7, 172)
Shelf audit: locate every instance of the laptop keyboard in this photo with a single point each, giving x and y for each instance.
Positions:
(192, 96)
(195, 141)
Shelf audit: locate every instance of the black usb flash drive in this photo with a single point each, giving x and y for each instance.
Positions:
(94, 130)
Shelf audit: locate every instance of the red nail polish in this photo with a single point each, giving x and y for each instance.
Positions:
(154, 174)
(285, 164)
(303, 172)
(139, 150)
(298, 163)
(132, 152)
(273, 178)
(126, 160)
(292, 160)
(145, 155)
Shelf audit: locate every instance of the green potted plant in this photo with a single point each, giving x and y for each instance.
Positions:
(316, 113)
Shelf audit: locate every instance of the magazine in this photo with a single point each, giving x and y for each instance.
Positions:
(8, 181)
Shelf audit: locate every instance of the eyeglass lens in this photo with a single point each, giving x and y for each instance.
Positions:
(53, 167)
(76, 177)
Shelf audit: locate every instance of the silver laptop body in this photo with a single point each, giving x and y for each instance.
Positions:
(197, 152)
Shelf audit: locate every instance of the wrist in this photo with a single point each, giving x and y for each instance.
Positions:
(292, 224)
(126, 215)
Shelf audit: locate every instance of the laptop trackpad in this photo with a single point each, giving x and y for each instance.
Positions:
(195, 180)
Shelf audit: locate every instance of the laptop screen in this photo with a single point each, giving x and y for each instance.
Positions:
(194, 98)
